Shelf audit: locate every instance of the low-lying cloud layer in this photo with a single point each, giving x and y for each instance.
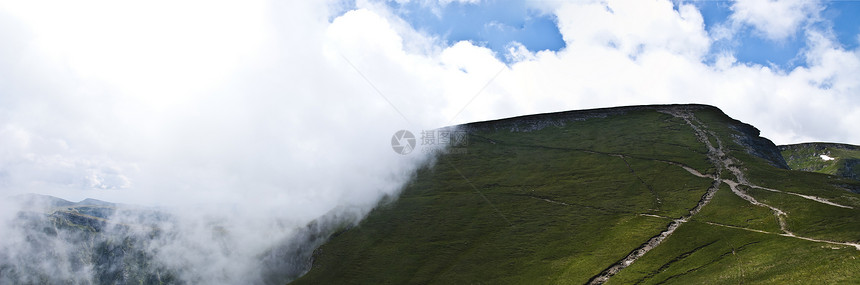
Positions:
(256, 135)
(263, 116)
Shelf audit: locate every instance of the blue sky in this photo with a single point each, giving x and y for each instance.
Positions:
(839, 17)
(845, 18)
(496, 24)
(259, 103)
(493, 24)
(268, 65)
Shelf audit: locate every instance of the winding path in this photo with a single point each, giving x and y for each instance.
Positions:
(721, 161)
(714, 154)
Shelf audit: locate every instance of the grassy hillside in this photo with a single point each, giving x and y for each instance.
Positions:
(828, 158)
(653, 194)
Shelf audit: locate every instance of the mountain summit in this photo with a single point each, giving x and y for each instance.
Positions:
(645, 194)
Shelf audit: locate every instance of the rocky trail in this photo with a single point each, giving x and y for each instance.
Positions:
(714, 153)
(718, 155)
(808, 197)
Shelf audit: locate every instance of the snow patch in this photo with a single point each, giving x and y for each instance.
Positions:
(825, 157)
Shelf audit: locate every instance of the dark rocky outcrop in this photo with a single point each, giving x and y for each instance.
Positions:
(756, 145)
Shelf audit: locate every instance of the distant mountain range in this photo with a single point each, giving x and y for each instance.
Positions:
(828, 158)
(65, 242)
(55, 241)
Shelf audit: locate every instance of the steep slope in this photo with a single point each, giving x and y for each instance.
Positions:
(829, 158)
(645, 194)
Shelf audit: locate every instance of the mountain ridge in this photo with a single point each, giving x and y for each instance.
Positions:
(756, 145)
(643, 194)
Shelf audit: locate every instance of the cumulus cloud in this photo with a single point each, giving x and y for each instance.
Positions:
(439, 2)
(647, 52)
(775, 19)
(263, 116)
(632, 26)
(227, 115)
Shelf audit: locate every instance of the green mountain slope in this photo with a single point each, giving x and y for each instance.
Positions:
(646, 194)
(829, 158)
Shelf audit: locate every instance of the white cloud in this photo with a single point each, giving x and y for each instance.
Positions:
(439, 2)
(775, 19)
(130, 44)
(645, 52)
(634, 26)
(446, 2)
(282, 115)
(173, 106)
